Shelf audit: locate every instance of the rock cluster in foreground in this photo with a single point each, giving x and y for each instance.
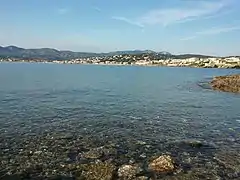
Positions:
(64, 156)
(230, 83)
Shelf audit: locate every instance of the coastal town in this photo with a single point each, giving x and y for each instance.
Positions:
(143, 60)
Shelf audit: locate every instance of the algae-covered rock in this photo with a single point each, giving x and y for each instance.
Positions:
(126, 172)
(229, 83)
(195, 144)
(97, 153)
(92, 154)
(162, 164)
(98, 171)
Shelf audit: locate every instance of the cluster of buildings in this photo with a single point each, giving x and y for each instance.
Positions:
(231, 62)
(147, 60)
(226, 62)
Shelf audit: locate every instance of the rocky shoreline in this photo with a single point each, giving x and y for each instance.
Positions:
(229, 83)
(70, 157)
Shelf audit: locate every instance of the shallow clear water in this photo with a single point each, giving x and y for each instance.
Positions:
(157, 105)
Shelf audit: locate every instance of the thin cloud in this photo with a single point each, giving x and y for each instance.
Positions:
(188, 12)
(201, 9)
(129, 21)
(97, 9)
(212, 31)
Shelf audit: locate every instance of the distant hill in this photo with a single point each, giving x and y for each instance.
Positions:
(44, 53)
(185, 56)
(53, 54)
(131, 52)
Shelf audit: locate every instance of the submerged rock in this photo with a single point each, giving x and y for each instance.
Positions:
(200, 173)
(93, 154)
(98, 171)
(126, 172)
(162, 164)
(143, 178)
(195, 144)
(231, 163)
(229, 83)
(97, 153)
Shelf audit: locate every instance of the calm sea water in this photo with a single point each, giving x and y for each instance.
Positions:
(157, 105)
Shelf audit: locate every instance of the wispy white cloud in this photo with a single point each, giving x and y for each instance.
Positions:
(187, 12)
(129, 21)
(214, 31)
(97, 9)
(63, 10)
(211, 31)
(176, 15)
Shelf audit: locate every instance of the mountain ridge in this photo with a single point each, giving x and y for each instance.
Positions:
(54, 54)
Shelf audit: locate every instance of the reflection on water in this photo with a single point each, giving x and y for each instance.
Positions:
(55, 118)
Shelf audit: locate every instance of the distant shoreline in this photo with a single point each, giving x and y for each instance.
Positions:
(225, 63)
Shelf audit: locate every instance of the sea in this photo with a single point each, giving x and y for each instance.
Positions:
(141, 112)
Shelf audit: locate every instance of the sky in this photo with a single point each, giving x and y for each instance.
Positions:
(178, 26)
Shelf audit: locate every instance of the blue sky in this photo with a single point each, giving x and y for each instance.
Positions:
(177, 26)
